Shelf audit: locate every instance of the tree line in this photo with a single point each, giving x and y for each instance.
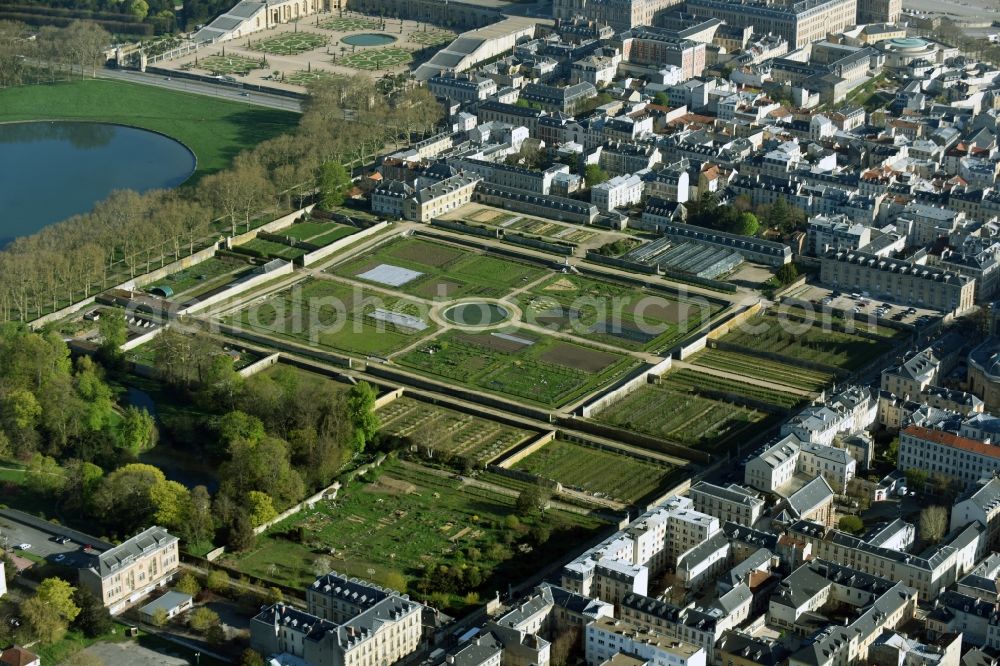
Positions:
(31, 55)
(345, 122)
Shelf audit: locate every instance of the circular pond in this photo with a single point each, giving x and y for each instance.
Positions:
(53, 170)
(368, 39)
(476, 314)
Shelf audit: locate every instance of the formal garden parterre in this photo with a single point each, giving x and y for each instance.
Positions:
(372, 60)
(290, 43)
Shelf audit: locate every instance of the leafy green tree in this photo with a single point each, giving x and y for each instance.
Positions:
(361, 412)
(852, 524)
(188, 584)
(532, 499)
(200, 525)
(594, 175)
(202, 619)
(661, 99)
(237, 426)
(264, 466)
(261, 508)
(745, 224)
(171, 504)
(334, 182)
(160, 617)
(394, 580)
(123, 499)
(218, 581)
(787, 274)
(113, 330)
(58, 594)
(94, 619)
(251, 657)
(44, 620)
(138, 8)
(137, 430)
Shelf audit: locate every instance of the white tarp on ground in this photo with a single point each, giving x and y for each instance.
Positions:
(398, 318)
(389, 275)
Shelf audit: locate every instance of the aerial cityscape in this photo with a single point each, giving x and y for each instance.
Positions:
(500, 332)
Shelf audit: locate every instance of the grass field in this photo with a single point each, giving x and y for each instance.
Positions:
(411, 521)
(746, 365)
(447, 432)
(215, 130)
(538, 369)
(447, 272)
(202, 274)
(611, 313)
(834, 348)
(596, 471)
(328, 314)
(681, 416)
(271, 249)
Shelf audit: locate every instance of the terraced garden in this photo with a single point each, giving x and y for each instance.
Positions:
(270, 249)
(678, 415)
(407, 520)
(322, 313)
(449, 433)
(745, 365)
(213, 271)
(613, 313)
(444, 271)
(798, 340)
(698, 382)
(596, 471)
(525, 365)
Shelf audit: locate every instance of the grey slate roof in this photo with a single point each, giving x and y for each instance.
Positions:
(129, 551)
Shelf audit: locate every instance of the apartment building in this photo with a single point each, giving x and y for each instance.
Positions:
(727, 503)
(441, 197)
(458, 88)
(917, 372)
(847, 412)
(835, 465)
(879, 11)
(515, 177)
(980, 504)
(898, 280)
(983, 374)
(124, 574)
(929, 573)
(619, 14)
(874, 604)
(941, 452)
(835, 232)
(617, 192)
(774, 466)
(363, 625)
(565, 99)
(608, 637)
(800, 23)
(645, 45)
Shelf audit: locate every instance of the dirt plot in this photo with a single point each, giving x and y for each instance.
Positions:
(670, 312)
(562, 284)
(580, 358)
(491, 342)
(426, 253)
(391, 486)
(437, 288)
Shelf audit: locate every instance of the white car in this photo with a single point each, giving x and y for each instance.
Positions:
(23, 546)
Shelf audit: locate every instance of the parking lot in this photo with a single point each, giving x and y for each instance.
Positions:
(43, 544)
(863, 306)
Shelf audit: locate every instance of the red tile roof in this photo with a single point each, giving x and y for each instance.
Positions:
(17, 656)
(953, 440)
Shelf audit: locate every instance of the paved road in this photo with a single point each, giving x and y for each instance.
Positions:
(200, 88)
(42, 543)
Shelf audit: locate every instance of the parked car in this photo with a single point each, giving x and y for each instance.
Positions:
(63, 539)
(59, 558)
(23, 546)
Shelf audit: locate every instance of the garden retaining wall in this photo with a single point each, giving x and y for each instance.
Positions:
(262, 364)
(520, 454)
(330, 492)
(282, 222)
(311, 258)
(628, 386)
(237, 289)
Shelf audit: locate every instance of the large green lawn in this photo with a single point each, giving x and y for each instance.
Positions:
(216, 130)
